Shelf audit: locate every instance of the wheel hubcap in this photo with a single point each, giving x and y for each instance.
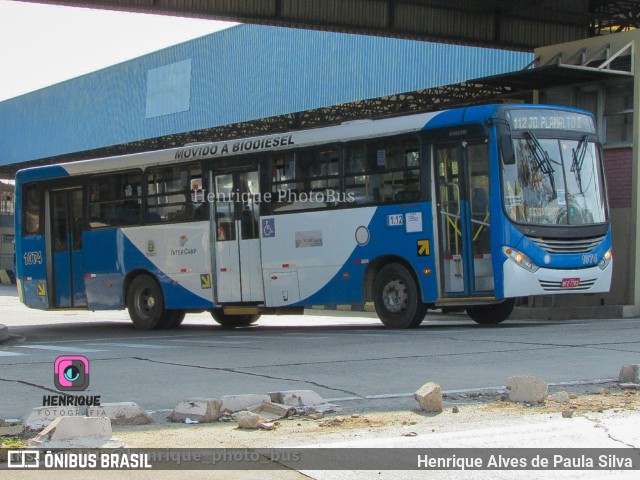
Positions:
(394, 296)
(147, 302)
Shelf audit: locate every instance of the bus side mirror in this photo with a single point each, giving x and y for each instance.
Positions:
(506, 149)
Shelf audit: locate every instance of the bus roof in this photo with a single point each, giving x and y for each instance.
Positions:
(281, 141)
(348, 131)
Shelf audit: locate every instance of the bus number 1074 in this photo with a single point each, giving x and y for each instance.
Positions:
(32, 258)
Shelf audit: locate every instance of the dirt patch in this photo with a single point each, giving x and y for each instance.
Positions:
(607, 401)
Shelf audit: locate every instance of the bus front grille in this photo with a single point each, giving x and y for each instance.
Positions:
(566, 245)
(555, 286)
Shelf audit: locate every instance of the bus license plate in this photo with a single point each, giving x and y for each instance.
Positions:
(570, 282)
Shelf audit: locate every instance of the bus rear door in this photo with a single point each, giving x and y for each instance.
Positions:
(66, 269)
(462, 204)
(238, 265)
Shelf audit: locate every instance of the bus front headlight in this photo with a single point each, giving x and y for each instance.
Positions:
(606, 260)
(520, 259)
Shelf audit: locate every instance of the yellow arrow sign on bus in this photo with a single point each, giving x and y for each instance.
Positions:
(424, 248)
(205, 281)
(42, 289)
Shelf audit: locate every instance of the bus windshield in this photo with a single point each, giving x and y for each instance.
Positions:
(554, 181)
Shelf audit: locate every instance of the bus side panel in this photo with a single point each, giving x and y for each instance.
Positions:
(304, 253)
(104, 272)
(327, 253)
(31, 266)
(404, 231)
(176, 255)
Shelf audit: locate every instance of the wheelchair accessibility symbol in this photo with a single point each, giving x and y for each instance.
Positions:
(268, 228)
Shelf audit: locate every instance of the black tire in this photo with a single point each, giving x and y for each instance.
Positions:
(146, 304)
(232, 321)
(397, 298)
(492, 314)
(173, 319)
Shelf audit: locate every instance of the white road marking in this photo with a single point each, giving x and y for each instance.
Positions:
(11, 354)
(215, 342)
(60, 349)
(134, 345)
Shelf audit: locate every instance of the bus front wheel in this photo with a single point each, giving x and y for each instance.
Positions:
(145, 304)
(232, 321)
(173, 319)
(492, 314)
(397, 298)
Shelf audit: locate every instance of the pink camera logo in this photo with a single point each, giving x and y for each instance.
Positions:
(71, 373)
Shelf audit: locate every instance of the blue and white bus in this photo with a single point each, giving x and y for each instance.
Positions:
(466, 208)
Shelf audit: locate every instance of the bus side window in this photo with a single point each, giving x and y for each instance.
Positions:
(174, 194)
(383, 171)
(115, 200)
(31, 202)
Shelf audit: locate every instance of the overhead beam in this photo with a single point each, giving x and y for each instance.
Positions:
(509, 24)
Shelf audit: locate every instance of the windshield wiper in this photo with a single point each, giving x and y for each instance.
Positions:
(579, 154)
(541, 157)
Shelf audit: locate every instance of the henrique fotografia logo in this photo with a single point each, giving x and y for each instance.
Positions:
(71, 373)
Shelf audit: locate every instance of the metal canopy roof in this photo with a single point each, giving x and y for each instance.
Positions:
(575, 69)
(549, 76)
(509, 24)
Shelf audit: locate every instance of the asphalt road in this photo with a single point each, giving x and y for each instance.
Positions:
(343, 358)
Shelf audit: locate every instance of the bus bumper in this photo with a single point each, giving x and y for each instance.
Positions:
(519, 282)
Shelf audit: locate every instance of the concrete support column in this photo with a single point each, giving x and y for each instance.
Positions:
(633, 308)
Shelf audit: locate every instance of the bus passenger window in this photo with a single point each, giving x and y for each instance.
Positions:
(115, 200)
(174, 194)
(305, 180)
(31, 204)
(383, 171)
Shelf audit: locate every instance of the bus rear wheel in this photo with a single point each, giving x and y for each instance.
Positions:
(232, 321)
(397, 298)
(492, 314)
(145, 304)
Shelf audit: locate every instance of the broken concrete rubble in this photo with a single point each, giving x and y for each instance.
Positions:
(527, 388)
(297, 398)
(237, 403)
(249, 420)
(560, 397)
(121, 413)
(629, 374)
(272, 411)
(429, 396)
(40, 417)
(201, 410)
(304, 401)
(76, 432)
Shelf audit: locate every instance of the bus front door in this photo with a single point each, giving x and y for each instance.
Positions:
(237, 217)
(462, 198)
(66, 273)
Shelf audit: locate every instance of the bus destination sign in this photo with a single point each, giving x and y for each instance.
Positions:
(539, 119)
